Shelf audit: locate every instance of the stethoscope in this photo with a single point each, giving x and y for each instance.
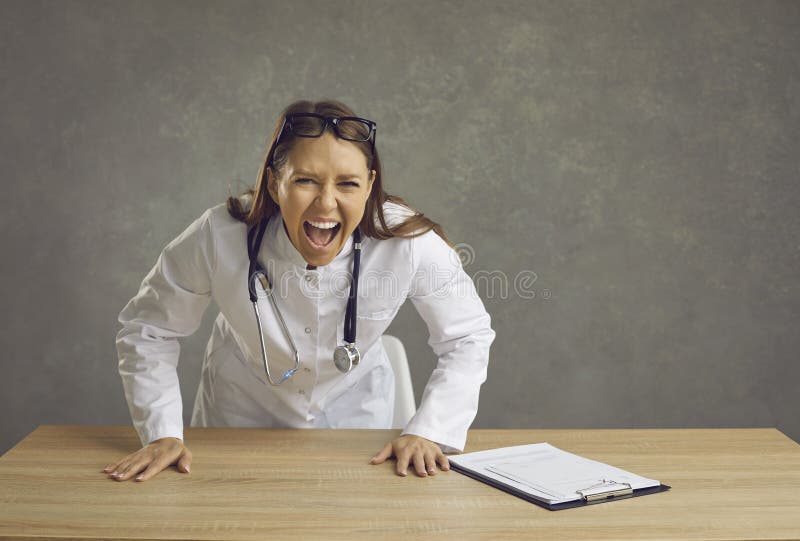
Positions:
(344, 357)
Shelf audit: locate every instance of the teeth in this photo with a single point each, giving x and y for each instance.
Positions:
(324, 225)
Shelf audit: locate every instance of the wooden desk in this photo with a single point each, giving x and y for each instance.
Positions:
(317, 484)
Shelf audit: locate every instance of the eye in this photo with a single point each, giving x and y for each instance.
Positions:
(349, 184)
(303, 180)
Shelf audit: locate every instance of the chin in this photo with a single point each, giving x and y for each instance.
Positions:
(318, 261)
(319, 258)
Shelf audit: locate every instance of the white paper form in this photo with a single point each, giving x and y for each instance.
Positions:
(548, 473)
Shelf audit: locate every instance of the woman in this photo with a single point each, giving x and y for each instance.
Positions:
(341, 256)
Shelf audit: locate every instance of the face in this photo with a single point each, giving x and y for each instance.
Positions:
(322, 191)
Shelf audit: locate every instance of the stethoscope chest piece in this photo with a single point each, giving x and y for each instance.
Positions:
(346, 357)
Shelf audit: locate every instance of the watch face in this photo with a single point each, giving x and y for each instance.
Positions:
(342, 360)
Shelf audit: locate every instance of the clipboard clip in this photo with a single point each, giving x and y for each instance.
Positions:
(589, 494)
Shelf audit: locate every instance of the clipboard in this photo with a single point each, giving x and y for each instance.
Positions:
(496, 467)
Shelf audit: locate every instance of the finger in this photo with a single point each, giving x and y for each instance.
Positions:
(133, 464)
(444, 463)
(419, 464)
(430, 463)
(156, 465)
(129, 470)
(383, 454)
(182, 459)
(185, 461)
(109, 468)
(153, 469)
(402, 463)
(119, 468)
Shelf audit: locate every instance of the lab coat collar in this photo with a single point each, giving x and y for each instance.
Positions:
(285, 250)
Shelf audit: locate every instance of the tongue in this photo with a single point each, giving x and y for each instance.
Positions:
(320, 236)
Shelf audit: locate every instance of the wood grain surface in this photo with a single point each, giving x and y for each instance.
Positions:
(317, 484)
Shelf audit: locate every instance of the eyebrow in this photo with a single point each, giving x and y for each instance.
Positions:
(345, 176)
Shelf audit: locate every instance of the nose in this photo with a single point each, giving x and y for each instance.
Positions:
(326, 200)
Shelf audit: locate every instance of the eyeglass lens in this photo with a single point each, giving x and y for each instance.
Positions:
(312, 126)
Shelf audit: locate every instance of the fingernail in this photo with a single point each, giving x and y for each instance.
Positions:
(114, 474)
(187, 469)
(139, 477)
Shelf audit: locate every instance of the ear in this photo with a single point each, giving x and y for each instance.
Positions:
(272, 186)
(370, 180)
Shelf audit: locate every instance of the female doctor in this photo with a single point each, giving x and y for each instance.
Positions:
(308, 269)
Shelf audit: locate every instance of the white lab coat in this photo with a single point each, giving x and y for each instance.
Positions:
(209, 261)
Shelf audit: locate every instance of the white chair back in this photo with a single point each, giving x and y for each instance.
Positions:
(404, 404)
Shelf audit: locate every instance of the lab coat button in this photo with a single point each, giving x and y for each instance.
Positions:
(307, 369)
(301, 391)
(308, 330)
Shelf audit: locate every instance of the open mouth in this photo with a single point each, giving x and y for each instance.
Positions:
(321, 234)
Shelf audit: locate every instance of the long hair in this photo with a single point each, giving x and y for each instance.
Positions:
(373, 223)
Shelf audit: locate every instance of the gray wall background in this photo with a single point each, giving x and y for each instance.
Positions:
(641, 158)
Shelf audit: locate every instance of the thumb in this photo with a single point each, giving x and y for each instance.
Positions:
(384, 453)
(185, 461)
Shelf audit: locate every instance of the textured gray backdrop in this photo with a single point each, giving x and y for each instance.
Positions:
(633, 164)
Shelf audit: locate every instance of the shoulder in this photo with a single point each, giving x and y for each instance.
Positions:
(422, 248)
(220, 220)
(431, 250)
(219, 213)
(212, 227)
(395, 214)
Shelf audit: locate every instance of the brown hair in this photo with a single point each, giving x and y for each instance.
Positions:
(263, 206)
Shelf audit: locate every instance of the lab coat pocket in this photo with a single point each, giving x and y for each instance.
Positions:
(238, 395)
(255, 366)
(377, 304)
(370, 326)
(227, 360)
(386, 313)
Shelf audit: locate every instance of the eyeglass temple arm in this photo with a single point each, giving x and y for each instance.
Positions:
(374, 136)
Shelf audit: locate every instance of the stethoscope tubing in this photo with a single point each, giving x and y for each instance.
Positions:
(289, 373)
(257, 272)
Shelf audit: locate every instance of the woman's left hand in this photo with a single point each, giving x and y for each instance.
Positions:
(424, 454)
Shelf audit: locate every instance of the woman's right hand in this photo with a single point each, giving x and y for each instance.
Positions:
(156, 456)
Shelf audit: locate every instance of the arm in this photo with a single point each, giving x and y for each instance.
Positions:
(170, 303)
(460, 336)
